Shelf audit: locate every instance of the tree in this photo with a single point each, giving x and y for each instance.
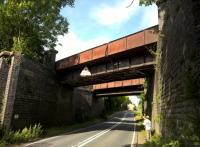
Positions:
(30, 26)
(146, 2)
(115, 103)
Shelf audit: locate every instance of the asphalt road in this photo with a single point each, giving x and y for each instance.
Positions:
(118, 131)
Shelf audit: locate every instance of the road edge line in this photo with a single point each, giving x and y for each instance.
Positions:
(133, 138)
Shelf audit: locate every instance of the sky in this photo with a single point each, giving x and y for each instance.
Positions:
(95, 22)
(135, 100)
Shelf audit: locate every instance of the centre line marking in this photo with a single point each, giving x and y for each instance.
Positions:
(133, 139)
(88, 140)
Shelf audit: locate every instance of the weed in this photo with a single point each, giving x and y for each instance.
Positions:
(24, 135)
(159, 141)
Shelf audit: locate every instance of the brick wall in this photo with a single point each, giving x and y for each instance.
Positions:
(180, 67)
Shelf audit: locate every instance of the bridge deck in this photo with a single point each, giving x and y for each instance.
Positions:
(121, 59)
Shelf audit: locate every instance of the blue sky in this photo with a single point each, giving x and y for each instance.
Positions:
(94, 22)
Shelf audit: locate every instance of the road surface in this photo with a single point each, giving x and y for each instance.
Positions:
(118, 131)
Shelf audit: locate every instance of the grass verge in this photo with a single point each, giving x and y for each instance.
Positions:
(36, 132)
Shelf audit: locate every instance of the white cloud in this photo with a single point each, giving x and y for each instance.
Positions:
(109, 15)
(71, 44)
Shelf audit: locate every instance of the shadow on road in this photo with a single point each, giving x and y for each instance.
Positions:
(118, 121)
(125, 124)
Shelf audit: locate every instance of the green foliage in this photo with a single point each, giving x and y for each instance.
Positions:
(150, 2)
(22, 47)
(147, 2)
(141, 97)
(2, 143)
(117, 103)
(157, 118)
(34, 24)
(22, 135)
(158, 141)
(139, 110)
(157, 55)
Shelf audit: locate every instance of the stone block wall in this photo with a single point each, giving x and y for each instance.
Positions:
(180, 67)
(31, 94)
(36, 95)
(10, 90)
(3, 78)
(85, 104)
(149, 95)
(65, 105)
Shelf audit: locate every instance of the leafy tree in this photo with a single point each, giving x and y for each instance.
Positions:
(115, 103)
(147, 2)
(31, 24)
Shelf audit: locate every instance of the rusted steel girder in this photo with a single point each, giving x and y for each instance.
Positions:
(115, 84)
(123, 90)
(119, 94)
(130, 42)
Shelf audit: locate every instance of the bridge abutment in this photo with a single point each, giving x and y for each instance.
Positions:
(179, 69)
(30, 94)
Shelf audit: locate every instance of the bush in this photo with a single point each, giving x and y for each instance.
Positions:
(158, 141)
(22, 135)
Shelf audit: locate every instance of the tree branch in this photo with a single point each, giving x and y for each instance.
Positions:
(130, 4)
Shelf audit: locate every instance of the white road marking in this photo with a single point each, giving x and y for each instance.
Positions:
(90, 139)
(133, 139)
(54, 137)
(43, 140)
